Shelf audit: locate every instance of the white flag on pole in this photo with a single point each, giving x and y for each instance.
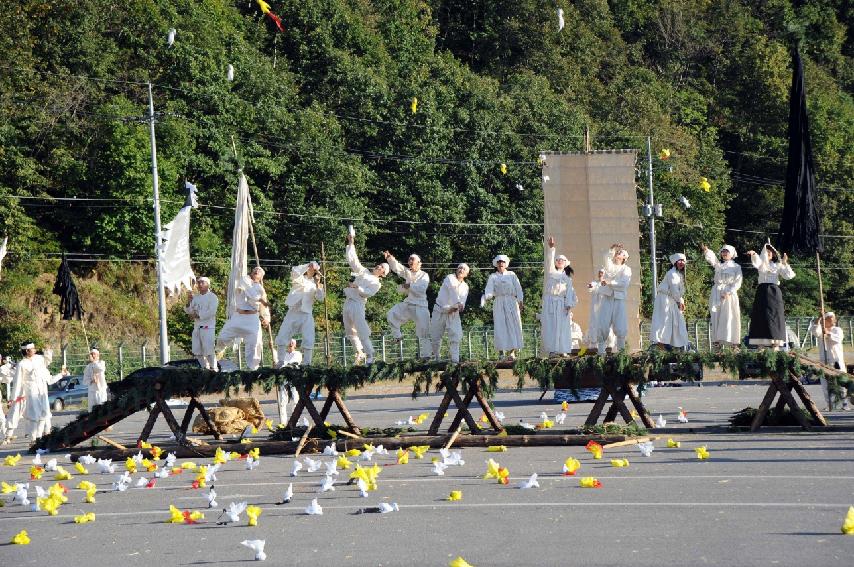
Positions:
(176, 266)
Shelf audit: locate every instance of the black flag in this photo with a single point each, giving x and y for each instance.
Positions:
(799, 229)
(69, 301)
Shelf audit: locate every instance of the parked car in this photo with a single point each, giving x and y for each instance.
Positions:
(674, 370)
(68, 390)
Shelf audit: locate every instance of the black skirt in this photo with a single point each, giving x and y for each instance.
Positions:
(767, 318)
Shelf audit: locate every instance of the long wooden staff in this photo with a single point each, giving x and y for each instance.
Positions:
(274, 354)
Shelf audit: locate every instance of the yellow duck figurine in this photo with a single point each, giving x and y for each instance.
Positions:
(619, 463)
(571, 465)
(419, 450)
(11, 461)
(702, 453)
(343, 463)
(671, 444)
(252, 512)
(402, 457)
(21, 538)
(459, 562)
(84, 518)
(455, 495)
(496, 449)
(848, 524)
(78, 466)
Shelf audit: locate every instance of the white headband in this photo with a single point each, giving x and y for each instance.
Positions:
(562, 257)
(204, 280)
(28, 346)
(500, 258)
(730, 249)
(314, 265)
(258, 269)
(464, 267)
(94, 350)
(385, 267)
(623, 254)
(830, 314)
(416, 256)
(676, 257)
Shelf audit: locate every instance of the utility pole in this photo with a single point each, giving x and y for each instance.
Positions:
(158, 237)
(651, 212)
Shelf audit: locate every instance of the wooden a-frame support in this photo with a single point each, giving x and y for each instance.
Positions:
(333, 396)
(179, 431)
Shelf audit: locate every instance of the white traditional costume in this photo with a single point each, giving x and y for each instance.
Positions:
(831, 352)
(30, 397)
(300, 316)
(724, 308)
(768, 317)
(413, 308)
(6, 375)
(611, 313)
(446, 314)
(506, 291)
(245, 322)
(95, 377)
(292, 358)
(202, 308)
(558, 298)
(355, 324)
(668, 321)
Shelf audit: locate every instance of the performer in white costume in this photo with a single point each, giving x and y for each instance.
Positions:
(305, 290)
(245, 322)
(366, 284)
(767, 316)
(450, 303)
(29, 393)
(6, 375)
(288, 356)
(95, 377)
(831, 352)
(558, 299)
(202, 308)
(724, 308)
(613, 287)
(668, 319)
(503, 286)
(414, 307)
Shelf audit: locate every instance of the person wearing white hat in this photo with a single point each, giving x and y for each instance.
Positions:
(768, 316)
(245, 322)
(366, 283)
(306, 288)
(504, 288)
(95, 377)
(831, 352)
(29, 393)
(202, 307)
(668, 319)
(414, 307)
(614, 280)
(724, 307)
(558, 300)
(446, 312)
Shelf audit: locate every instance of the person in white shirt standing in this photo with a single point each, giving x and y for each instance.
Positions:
(450, 303)
(305, 290)
(768, 315)
(202, 308)
(414, 307)
(95, 377)
(668, 319)
(831, 352)
(558, 299)
(614, 280)
(366, 284)
(724, 308)
(504, 287)
(288, 356)
(245, 322)
(29, 393)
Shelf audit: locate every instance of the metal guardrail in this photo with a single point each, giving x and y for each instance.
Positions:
(477, 343)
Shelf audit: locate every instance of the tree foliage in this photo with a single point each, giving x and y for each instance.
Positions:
(320, 118)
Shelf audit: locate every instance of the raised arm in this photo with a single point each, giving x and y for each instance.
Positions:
(355, 266)
(549, 255)
(711, 258)
(395, 266)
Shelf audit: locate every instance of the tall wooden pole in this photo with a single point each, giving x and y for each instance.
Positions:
(326, 306)
(158, 236)
(823, 349)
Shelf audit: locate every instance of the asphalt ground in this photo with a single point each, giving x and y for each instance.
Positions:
(760, 499)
